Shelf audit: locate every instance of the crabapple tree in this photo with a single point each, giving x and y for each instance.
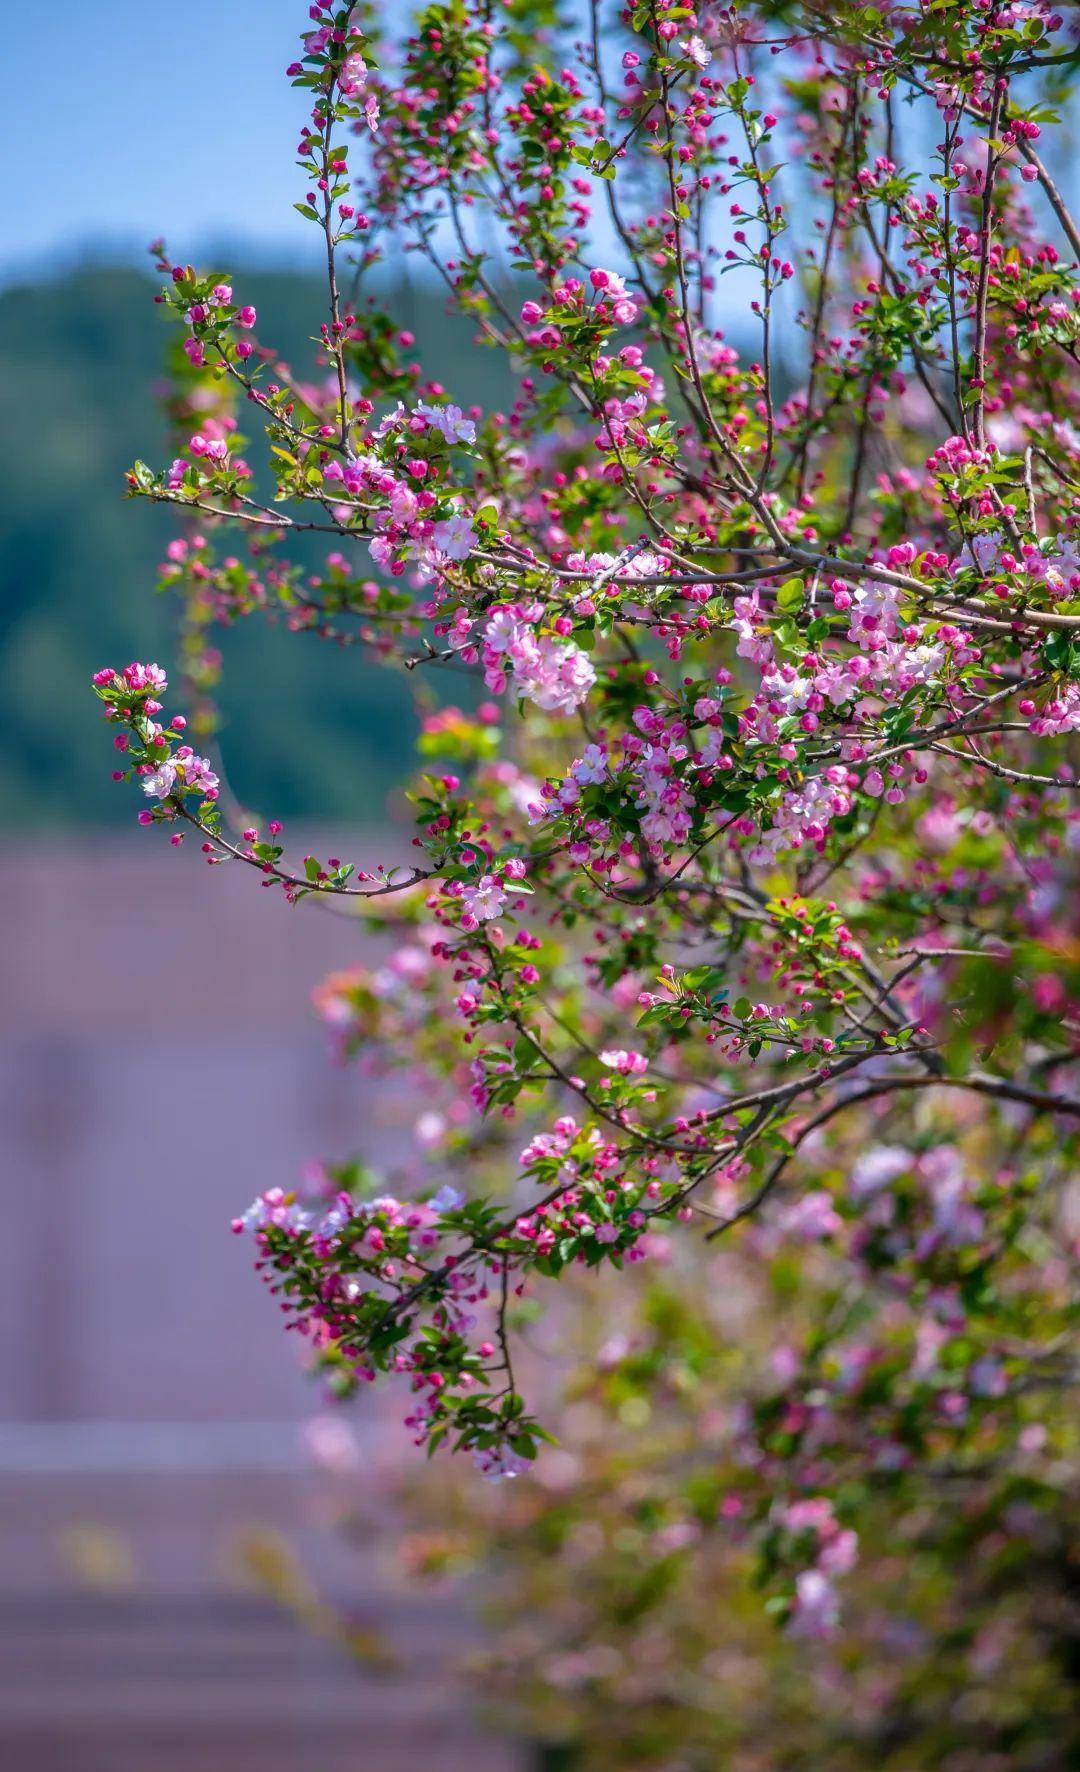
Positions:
(743, 900)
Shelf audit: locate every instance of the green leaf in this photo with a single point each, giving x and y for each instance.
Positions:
(791, 595)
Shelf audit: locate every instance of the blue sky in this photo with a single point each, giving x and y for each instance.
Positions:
(130, 118)
(125, 119)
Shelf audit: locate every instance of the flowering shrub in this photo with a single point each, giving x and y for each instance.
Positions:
(748, 904)
(625, 1584)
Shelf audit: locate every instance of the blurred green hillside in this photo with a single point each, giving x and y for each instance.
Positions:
(80, 359)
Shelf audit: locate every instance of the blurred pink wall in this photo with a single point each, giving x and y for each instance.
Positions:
(160, 1064)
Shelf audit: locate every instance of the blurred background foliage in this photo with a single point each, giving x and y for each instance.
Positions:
(624, 1601)
(81, 358)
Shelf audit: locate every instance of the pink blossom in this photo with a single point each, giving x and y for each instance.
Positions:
(455, 537)
(483, 901)
(631, 1064)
